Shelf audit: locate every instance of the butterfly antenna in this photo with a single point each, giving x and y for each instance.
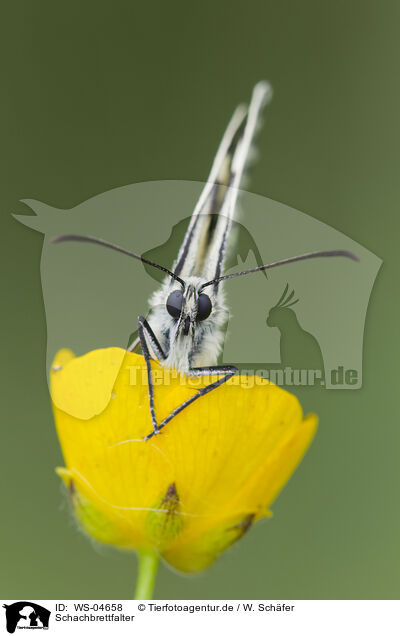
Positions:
(91, 239)
(293, 259)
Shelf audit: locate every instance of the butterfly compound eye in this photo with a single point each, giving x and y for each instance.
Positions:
(174, 303)
(204, 307)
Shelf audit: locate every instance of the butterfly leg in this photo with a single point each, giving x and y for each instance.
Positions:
(145, 332)
(227, 370)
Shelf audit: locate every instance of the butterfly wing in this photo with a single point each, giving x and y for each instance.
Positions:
(203, 250)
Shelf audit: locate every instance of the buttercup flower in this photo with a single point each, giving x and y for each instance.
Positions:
(190, 492)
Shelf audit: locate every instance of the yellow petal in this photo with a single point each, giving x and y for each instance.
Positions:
(224, 458)
(84, 387)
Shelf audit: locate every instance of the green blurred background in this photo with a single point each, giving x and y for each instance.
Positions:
(96, 95)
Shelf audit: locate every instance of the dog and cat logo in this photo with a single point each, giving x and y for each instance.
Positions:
(300, 325)
(26, 615)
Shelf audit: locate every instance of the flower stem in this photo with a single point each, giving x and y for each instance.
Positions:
(146, 577)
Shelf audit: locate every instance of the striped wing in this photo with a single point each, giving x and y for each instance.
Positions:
(203, 250)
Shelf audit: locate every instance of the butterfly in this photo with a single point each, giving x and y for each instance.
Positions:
(184, 329)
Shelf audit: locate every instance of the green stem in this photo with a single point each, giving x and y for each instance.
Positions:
(146, 577)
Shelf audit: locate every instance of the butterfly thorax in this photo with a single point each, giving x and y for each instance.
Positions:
(188, 341)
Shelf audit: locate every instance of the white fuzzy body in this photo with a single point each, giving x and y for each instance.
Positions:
(202, 346)
(187, 340)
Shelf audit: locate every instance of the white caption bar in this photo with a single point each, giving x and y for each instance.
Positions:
(171, 618)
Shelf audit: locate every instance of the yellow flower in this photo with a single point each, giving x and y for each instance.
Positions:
(189, 492)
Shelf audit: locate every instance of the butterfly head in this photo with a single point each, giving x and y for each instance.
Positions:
(188, 306)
